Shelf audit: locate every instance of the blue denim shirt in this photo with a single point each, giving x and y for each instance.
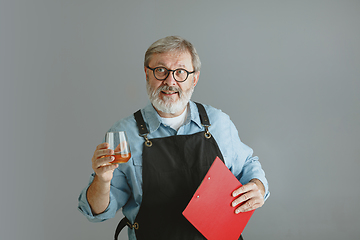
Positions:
(126, 185)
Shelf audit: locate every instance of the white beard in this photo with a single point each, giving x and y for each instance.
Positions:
(167, 104)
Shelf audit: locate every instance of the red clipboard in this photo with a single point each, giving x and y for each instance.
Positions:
(210, 210)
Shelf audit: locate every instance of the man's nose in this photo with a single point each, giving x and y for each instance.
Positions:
(170, 81)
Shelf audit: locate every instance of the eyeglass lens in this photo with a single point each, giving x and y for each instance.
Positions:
(178, 74)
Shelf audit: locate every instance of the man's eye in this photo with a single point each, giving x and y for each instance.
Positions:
(180, 71)
(161, 70)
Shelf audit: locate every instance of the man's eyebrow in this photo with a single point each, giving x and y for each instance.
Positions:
(163, 64)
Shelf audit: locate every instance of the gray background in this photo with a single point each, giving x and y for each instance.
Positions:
(287, 72)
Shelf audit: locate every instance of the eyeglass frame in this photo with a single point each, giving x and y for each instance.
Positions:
(173, 73)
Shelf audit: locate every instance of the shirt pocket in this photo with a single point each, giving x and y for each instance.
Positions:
(137, 161)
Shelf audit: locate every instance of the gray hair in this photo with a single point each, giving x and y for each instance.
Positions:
(173, 43)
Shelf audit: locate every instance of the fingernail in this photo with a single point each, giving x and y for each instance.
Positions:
(112, 158)
(237, 211)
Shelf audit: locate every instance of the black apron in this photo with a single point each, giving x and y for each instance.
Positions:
(172, 169)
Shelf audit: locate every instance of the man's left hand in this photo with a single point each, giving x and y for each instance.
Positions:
(250, 196)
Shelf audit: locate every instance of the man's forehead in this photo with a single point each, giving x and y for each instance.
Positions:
(181, 59)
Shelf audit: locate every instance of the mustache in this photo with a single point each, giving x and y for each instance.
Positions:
(169, 88)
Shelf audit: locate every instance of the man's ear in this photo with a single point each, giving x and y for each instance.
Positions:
(196, 77)
(146, 73)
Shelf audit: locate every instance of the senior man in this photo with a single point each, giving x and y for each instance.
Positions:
(173, 143)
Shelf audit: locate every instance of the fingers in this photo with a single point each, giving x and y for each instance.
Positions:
(102, 146)
(106, 168)
(250, 198)
(103, 153)
(248, 206)
(101, 150)
(102, 156)
(102, 161)
(245, 188)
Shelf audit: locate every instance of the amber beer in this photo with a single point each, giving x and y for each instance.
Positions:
(119, 144)
(121, 158)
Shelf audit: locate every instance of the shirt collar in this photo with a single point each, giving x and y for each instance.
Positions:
(153, 118)
(194, 114)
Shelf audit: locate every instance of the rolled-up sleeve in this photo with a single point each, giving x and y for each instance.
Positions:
(252, 169)
(243, 158)
(85, 209)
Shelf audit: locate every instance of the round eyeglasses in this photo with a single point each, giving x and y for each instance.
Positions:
(161, 73)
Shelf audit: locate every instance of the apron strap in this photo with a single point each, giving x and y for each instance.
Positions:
(120, 226)
(203, 115)
(204, 119)
(143, 131)
(141, 123)
(124, 222)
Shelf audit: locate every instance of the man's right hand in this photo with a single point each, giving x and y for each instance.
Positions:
(100, 163)
(98, 194)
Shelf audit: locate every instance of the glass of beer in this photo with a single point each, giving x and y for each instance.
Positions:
(119, 143)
